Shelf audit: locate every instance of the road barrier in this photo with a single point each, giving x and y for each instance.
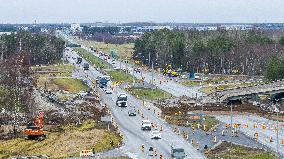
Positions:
(215, 139)
(227, 126)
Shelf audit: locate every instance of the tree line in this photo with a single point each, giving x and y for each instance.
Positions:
(18, 52)
(41, 48)
(218, 52)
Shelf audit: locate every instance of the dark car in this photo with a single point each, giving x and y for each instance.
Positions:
(131, 113)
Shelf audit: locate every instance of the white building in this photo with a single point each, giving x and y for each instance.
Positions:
(75, 27)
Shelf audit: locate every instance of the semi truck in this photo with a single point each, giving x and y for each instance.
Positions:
(177, 152)
(86, 66)
(121, 100)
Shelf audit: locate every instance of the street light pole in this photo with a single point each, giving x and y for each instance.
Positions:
(152, 73)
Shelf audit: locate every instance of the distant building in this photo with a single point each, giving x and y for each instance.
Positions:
(75, 27)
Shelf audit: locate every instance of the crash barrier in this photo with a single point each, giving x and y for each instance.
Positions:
(86, 153)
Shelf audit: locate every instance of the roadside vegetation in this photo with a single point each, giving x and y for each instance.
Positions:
(67, 142)
(149, 94)
(70, 84)
(191, 83)
(97, 62)
(227, 151)
(121, 76)
(123, 50)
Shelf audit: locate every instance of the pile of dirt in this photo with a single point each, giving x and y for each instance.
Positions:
(184, 105)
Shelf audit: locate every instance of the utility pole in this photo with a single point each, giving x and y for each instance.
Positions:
(149, 59)
(231, 115)
(152, 73)
(277, 127)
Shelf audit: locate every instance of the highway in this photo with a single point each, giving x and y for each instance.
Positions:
(130, 127)
(170, 86)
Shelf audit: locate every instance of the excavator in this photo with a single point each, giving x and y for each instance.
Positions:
(34, 131)
(168, 70)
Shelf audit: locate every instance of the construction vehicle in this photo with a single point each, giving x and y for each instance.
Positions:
(86, 66)
(177, 152)
(168, 70)
(121, 100)
(34, 131)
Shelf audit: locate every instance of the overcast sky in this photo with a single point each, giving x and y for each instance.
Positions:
(190, 11)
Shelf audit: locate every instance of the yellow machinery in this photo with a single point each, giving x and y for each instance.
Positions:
(168, 70)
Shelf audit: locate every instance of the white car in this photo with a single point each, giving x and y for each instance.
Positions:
(156, 135)
(108, 91)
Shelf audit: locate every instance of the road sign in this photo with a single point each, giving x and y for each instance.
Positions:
(113, 52)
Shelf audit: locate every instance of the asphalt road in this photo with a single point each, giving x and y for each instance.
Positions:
(263, 134)
(169, 85)
(130, 127)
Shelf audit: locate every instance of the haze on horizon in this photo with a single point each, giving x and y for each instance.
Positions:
(187, 11)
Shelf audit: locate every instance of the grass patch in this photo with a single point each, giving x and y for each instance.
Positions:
(66, 143)
(209, 122)
(226, 151)
(181, 120)
(62, 74)
(55, 67)
(61, 144)
(92, 58)
(120, 76)
(149, 94)
(69, 84)
(107, 142)
(190, 83)
(123, 50)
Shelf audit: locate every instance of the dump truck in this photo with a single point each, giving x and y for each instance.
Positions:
(121, 100)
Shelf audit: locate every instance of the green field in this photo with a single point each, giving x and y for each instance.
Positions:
(55, 67)
(120, 76)
(149, 94)
(69, 84)
(123, 50)
(67, 142)
(97, 62)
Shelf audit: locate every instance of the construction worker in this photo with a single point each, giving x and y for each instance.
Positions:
(223, 132)
(142, 148)
(215, 139)
(270, 138)
(256, 135)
